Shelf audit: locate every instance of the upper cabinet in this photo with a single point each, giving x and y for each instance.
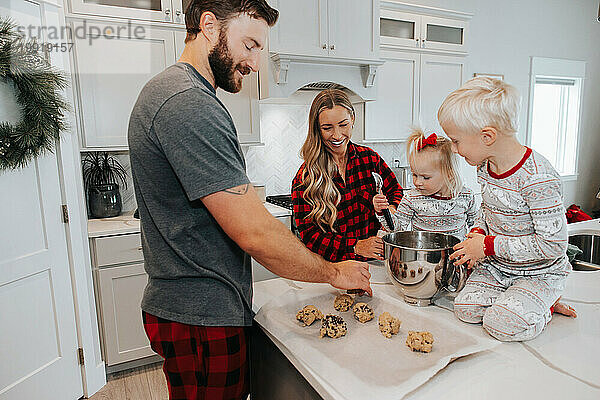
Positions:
(148, 10)
(410, 27)
(424, 51)
(110, 73)
(344, 29)
(411, 89)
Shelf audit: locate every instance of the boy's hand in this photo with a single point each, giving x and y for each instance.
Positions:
(380, 203)
(352, 274)
(469, 251)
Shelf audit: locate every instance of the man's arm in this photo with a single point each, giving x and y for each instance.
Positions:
(246, 221)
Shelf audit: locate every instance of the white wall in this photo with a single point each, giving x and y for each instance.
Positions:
(503, 36)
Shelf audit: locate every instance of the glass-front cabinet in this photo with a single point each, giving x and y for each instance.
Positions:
(407, 30)
(149, 10)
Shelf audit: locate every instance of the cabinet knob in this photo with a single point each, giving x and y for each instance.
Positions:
(167, 11)
(324, 46)
(332, 47)
(423, 43)
(417, 42)
(178, 12)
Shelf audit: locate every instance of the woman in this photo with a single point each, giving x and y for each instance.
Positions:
(334, 188)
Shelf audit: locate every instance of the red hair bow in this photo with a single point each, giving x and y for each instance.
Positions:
(430, 140)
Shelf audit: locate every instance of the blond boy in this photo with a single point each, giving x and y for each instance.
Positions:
(518, 245)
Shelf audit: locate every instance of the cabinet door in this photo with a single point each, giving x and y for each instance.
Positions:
(261, 273)
(150, 10)
(398, 29)
(301, 28)
(353, 29)
(440, 75)
(390, 116)
(443, 34)
(111, 71)
(120, 291)
(243, 106)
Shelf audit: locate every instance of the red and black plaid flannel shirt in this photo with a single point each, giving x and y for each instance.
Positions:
(355, 213)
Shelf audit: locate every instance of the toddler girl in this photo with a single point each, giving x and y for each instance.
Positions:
(438, 202)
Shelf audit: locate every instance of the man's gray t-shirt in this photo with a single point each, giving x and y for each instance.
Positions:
(183, 146)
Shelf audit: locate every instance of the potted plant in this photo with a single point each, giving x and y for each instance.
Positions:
(102, 174)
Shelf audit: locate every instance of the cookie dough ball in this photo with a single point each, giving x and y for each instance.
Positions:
(333, 326)
(420, 341)
(362, 312)
(343, 302)
(388, 325)
(308, 315)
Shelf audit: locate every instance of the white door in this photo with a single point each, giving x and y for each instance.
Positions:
(391, 115)
(353, 28)
(38, 337)
(301, 28)
(111, 72)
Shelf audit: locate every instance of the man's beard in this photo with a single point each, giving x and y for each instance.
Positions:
(222, 66)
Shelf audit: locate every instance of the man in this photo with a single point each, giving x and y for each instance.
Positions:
(199, 214)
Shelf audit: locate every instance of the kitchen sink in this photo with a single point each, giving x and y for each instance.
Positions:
(590, 259)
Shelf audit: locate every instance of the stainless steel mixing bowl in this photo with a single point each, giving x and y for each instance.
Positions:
(419, 266)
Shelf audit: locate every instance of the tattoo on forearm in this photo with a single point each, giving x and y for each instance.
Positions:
(240, 190)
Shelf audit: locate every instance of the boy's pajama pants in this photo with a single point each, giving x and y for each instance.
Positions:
(512, 308)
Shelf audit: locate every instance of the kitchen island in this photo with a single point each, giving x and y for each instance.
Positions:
(560, 363)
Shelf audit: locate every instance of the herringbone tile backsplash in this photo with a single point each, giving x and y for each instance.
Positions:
(283, 130)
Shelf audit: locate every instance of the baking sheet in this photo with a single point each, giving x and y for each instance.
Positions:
(365, 364)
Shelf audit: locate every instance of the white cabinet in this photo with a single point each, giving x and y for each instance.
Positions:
(121, 289)
(326, 28)
(243, 106)
(149, 10)
(110, 73)
(440, 75)
(390, 116)
(119, 281)
(410, 89)
(260, 273)
(414, 31)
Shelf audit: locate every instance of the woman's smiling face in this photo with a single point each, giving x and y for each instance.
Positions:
(335, 125)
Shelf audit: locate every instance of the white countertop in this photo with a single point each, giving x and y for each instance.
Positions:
(591, 226)
(125, 223)
(510, 370)
(120, 225)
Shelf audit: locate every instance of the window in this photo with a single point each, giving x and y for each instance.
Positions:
(554, 111)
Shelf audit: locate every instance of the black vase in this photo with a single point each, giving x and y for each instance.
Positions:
(105, 200)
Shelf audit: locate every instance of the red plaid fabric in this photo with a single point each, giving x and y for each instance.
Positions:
(201, 362)
(356, 216)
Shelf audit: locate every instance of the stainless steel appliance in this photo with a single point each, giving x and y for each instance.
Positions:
(419, 265)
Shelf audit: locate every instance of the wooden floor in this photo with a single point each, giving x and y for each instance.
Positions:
(144, 383)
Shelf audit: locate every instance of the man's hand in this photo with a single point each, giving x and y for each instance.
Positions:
(370, 248)
(469, 251)
(351, 274)
(380, 203)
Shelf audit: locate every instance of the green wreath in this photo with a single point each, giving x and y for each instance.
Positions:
(38, 88)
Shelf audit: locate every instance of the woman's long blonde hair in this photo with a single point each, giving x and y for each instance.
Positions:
(320, 168)
(447, 159)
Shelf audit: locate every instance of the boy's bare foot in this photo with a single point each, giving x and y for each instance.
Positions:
(564, 309)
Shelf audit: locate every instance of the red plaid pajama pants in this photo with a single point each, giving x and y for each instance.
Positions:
(201, 362)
